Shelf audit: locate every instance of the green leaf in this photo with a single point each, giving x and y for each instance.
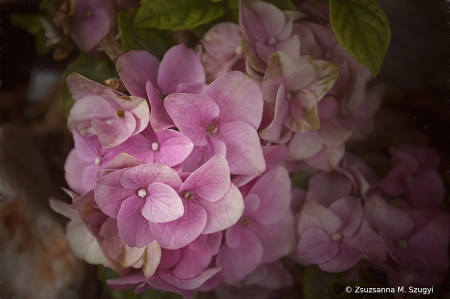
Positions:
(30, 23)
(40, 42)
(283, 4)
(104, 274)
(94, 69)
(362, 29)
(177, 14)
(300, 180)
(154, 41)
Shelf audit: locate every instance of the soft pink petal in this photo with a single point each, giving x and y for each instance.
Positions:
(162, 204)
(305, 145)
(135, 69)
(314, 215)
(116, 131)
(133, 227)
(152, 258)
(179, 65)
(192, 262)
(197, 88)
(221, 40)
(316, 247)
(290, 47)
(201, 154)
(427, 189)
(350, 211)
(325, 188)
(143, 175)
(244, 154)
(169, 258)
(327, 159)
(263, 19)
(303, 112)
(180, 232)
(159, 118)
(188, 284)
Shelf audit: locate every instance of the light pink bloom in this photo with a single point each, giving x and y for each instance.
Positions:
(222, 120)
(335, 238)
(265, 231)
(112, 116)
(223, 50)
(179, 71)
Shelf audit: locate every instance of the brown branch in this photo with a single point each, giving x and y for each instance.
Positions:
(111, 47)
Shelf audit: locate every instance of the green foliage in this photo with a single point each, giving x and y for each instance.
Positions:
(94, 69)
(104, 274)
(362, 29)
(32, 24)
(283, 4)
(177, 14)
(321, 284)
(154, 41)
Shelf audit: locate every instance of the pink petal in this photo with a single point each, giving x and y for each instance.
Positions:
(197, 88)
(316, 247)
(239, 98)
(221, 40)
(427, 189)
(333, 135)
(350, 211)
(188, 284)
(263, 19)
(179, 65)
(162, 204)
(133, 227)
(192, 115)
(74, 169)
(169, 258)
(290, 47)
(152, 258)
(178, 233)
(135, 69)
(192, 262)
(327, 159)
(174, 147)
(201, 154)
(305, 145)
(159, 118)
(116, 132)
(303, 115)
(109, 194)
(325, 188)
(209, 182)
(237, 262)
(274, 190)
(143, 175)
(214, 242)
(80, 87)
(244, 154)
(223, 213)
(314, 215)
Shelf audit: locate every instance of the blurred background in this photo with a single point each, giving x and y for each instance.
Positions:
(35, 259)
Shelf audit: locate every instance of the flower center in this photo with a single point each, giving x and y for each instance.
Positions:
(88, 14)
(271, 41)
(187, 195)
(336, 237)
(245, 222)
(120, 114)
(239, 50)
(402, 244)
(142, 193)
(288, 96)
(327, 55)
(211, 129)
(155, 146)
(98, 161)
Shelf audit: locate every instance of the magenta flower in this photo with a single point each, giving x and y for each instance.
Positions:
(211, 204)
(180, 71)
(266, 229)
(91, 22)
(222, 48)
(295, 86)
(138, 194)
(335, 238)
(222, 120)
(84, 161)
(266, 30)
(167, 147)
(111, 115)
(415, 175)
(416, 240)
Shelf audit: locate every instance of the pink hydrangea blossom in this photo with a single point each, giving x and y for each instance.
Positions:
(222, 120)
(335, 238)
(179, 71)
(111, 115)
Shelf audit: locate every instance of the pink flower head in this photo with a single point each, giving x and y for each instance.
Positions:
(138, 194)
(111, 115)
(416, 239)
(91, 22)
(295, 86)
(180, 71)
(222, 120)
(84, 161)
(335, 238)
(414, 174)
(211, 204)
(322, 149)
(223, 50)
(167, 147)
(266, 30)
(266, 229)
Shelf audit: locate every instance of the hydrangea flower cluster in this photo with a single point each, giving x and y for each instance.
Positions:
(183, 184)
